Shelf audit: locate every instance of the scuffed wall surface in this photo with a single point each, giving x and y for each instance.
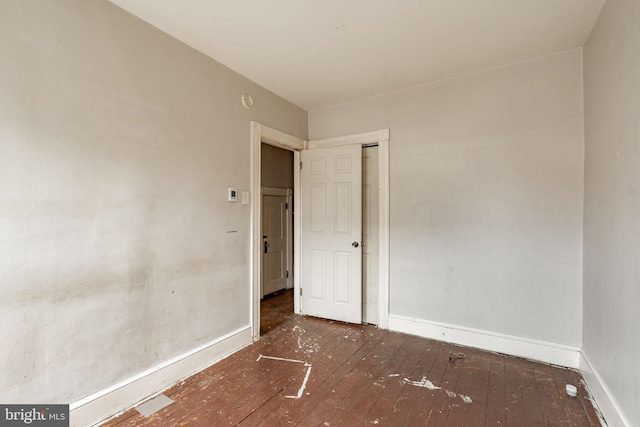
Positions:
(117, 147)
(486, 196)
(612, 203)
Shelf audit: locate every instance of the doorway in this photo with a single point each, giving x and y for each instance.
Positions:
(276, 286)
(262, 134)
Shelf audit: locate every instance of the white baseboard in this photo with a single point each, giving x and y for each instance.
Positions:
(104, 404)
(556, 354)
(608, 407)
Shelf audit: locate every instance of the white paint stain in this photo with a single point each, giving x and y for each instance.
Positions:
(306, 345)
(394, 375)
(279, 358)
(306, 377)
(304, 384)
(425, 383)
(466, 399)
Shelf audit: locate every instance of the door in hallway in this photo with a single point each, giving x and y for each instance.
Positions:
(275, 263)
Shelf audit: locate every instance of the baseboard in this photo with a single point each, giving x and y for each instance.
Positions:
(104, 404)
(556, 354)
(607, 406)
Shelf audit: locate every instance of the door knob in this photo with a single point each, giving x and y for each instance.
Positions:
(266, 245)
(355, 244)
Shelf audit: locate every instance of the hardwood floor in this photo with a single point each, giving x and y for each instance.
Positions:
(275, 309)
(314, 372)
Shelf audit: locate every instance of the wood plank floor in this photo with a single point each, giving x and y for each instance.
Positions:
(275, 309)
(356, 375)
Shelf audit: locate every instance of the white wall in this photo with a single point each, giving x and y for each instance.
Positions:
(117, 147)
(486, 196)
(612, 204)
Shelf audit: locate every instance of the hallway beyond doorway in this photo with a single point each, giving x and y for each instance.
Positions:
(275, 309)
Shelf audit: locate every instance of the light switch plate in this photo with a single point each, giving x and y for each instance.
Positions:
(245, 197)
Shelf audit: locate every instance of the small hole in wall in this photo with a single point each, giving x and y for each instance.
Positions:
(173, 292)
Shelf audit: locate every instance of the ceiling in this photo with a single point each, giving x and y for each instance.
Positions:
(318, 53)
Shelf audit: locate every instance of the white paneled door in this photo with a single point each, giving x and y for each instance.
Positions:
(274, 243)
(331, 282)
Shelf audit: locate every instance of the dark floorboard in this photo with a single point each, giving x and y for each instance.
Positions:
(275, 309)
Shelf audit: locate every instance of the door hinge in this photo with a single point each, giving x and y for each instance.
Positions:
(286, 206)
(300, 165)
(287, 275)
(300, 291)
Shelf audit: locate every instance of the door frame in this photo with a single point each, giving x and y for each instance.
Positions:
(262, 134)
